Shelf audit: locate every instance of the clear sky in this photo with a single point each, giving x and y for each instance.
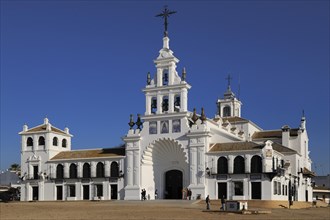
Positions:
(83, 65)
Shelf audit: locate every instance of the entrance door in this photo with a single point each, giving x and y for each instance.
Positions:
(35, 193)
(173, 184)
(59, 192)
(306, 195)
(222, 190)
(114, 191)
(256, 190)
(86, 192)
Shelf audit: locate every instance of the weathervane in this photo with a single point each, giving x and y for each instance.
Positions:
(165, 14)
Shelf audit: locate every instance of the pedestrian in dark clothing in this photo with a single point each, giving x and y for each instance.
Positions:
(222, 203)
(207, 200)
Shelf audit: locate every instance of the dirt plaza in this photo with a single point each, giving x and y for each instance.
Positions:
(160, 209)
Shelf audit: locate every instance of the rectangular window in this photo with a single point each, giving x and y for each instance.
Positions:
(238, 187)
(176, 126)
(99, 190)
(153, 127)
(72, 191)
(164, 127)
(35, 172)
(275, 188)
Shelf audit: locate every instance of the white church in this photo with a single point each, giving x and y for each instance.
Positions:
(170, 149)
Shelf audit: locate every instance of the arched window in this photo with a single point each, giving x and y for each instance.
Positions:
(99, 169)
(165, 77)
(59, 171)
(73, 170)
(165, 104)
(154, 105)
(226, 111)
(55, 141)
(256, 164)
(177, 103)
(222, 165)
(41, 140)
(86, 170)
(29, 142)
(114, 169)
(239, 165)
(64, 143)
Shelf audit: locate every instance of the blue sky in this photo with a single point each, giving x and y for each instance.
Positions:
(83, 65)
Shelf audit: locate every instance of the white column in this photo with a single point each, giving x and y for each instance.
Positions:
(107, 168)
(171, 102)
(247, 163)
(159, 77)
(201, 166)
(66, 170)
(129, 168)
(148, 105)
(193, 165)
(136, 168)
(93, 169)
(79, 170)
(230, 164)
(159, 103)
(184, 100)
(35, 142)
(171, 71)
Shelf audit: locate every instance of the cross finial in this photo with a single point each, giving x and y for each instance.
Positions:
(229, 78)
(165, 14)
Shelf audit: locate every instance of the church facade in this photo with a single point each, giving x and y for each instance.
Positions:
(169, 149)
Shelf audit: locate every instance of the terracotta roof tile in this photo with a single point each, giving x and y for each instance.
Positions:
(80, 154)
(267, 134)
(43, 128)
(243, 146)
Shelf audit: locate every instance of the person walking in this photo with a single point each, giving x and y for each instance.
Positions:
(223, 203)
(207, 200)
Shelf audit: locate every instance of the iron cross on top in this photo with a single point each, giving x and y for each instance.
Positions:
(165, 14)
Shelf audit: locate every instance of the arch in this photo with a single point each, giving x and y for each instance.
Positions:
(239, 165)
(165, 104)
(55, 141)
(100, 169)
(153, 105)
(177, 103)
(256, 164)
(86, 170)
(227, 111)
(64, 142)
(222, 165)
(114, 169)
(73, 171)
(165, 76)
(29, 142)
(59, 171)
(41, 141)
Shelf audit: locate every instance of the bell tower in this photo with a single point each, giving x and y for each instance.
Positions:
(167, 92)
(229, 106)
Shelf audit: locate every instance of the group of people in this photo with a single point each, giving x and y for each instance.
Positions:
(186, 193)
(143, 194)
(208, 202)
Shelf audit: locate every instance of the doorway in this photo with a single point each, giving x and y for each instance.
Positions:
(114, 192)
(173, 184)
(86, 192)
(35, 193)
(222, 190)
(59, 192)
(256, 190)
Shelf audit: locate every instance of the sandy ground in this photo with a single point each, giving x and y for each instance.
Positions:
(159, 209)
